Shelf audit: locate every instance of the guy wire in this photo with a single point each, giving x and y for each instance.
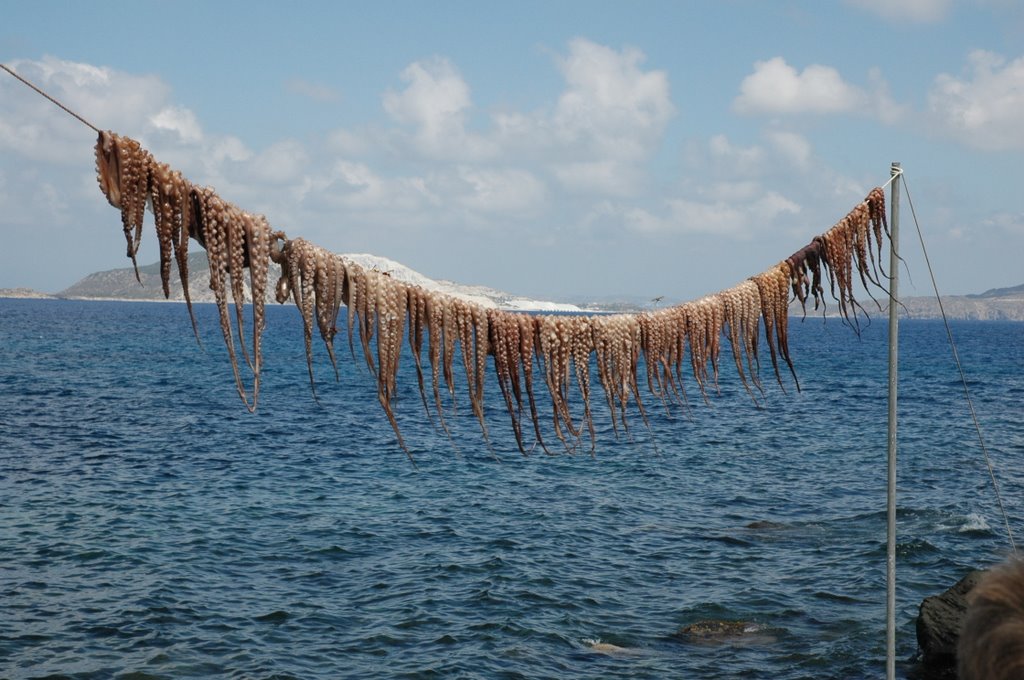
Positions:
(963, 377)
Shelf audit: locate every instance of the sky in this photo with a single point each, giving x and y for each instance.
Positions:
(558, 150)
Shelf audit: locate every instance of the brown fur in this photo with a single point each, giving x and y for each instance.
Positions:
(991, 643)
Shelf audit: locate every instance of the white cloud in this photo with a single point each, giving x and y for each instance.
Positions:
(882, 105)
(359, 190)
(738, 211)
(737, 160)
(792, 146)
(606, 176)
(281, 163)
(776, 87)
(179, 121)
(732, 217)
(742, 190)
(31, 126)
(1008, 222)
(436, 97)
(916, 11)
(983, 110)
(577, 167)
(138, 106)
(315, 91)
(230, 148)
(781, 148)
(32, 203)
(735, 192)
(611, 106)
(502, 191)
(360, 186)
(350, 143)
(606, 124)
(435, 103)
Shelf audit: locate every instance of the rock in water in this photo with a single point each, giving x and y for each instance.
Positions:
(712, 629)
(608, 648)
(938, 624)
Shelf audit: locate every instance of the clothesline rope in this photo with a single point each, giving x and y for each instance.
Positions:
(241, 245)
(40, 91)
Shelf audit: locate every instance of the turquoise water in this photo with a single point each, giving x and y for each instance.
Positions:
(150, 527)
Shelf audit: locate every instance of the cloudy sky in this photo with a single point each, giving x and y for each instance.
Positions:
(552, 149)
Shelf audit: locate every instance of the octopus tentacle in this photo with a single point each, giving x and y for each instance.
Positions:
(367, 310)
(181, 202)
(391, 311)
(512, 349)
(258, 243)
(319, 282)
(353, 290)
(108, 167)
(733, 311)
(449, 328)
(211, 214)
(650, 342)
(465, 332)
(582, 347)
(697, 335)
(512, 353)
(876, 215)
(716, 321)
(337, 275)
(773, 288)
(498, 341)
(327, 284)
(551, 351)
(678, 323)
(435, 343)
(300, 272)
(133, 191)
(481, 334)
(750, 298)
(529, 342)
(163, 219)
(419, 319)
(235, 228)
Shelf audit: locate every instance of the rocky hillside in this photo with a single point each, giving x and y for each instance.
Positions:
(998, 304)
(120, 284)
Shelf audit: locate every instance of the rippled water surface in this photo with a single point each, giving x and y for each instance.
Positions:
(150, 527)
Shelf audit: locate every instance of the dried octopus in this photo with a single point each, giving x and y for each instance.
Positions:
(130, 179)
(382, 310)
(123, 172)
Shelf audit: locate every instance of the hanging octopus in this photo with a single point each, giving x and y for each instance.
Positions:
(379, 308)
(172, 211)
(122, 170)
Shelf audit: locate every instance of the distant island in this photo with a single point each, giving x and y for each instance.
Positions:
(1006, 304)
(120, 284)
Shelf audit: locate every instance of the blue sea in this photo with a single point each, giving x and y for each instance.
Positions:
(151, 527)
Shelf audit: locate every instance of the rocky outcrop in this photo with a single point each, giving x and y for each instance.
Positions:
(713, 629)
(23, 293)
(120, 284)
(938, 625)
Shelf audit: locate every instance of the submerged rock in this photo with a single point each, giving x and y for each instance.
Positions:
(765, 524)
(714, 629)
(609, 648)
(938, 623)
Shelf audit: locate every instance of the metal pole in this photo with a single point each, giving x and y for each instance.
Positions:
(894, 335)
